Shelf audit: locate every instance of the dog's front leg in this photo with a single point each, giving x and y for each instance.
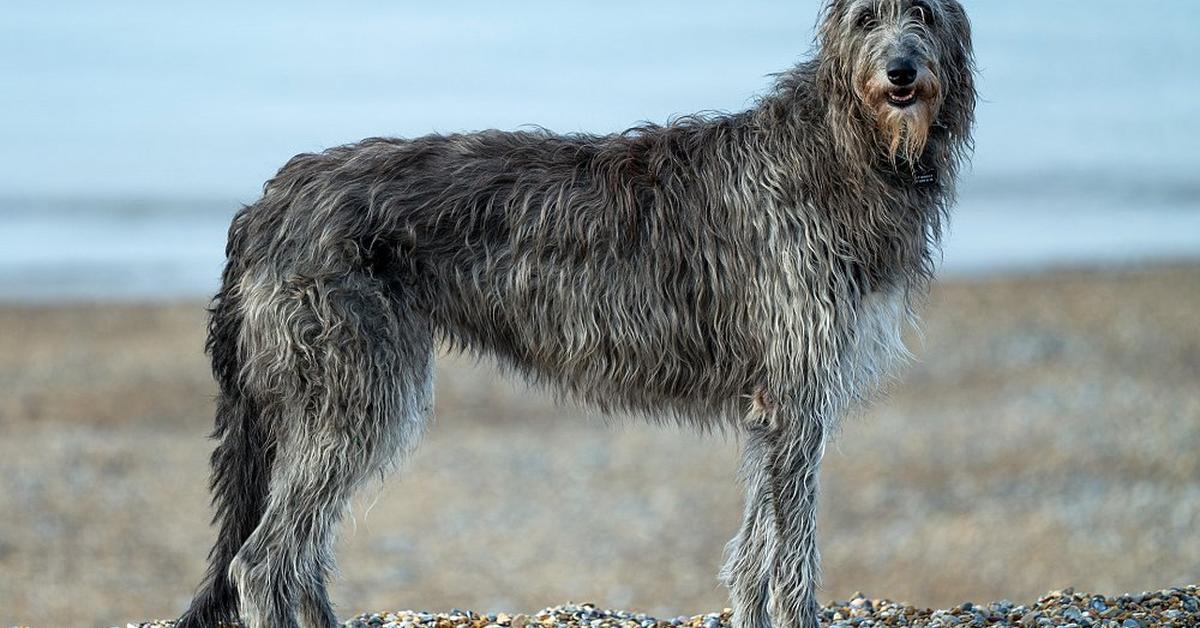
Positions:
(795, 449)
(747, 570)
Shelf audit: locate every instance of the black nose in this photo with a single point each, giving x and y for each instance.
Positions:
(902, 72)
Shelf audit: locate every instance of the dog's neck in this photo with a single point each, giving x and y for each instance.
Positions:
(887, 209)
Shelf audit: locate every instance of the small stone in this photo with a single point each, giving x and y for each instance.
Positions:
(1132, 623)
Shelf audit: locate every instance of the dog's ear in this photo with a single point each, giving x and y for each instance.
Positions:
(829, 20)
(958, 110)
(829, 40)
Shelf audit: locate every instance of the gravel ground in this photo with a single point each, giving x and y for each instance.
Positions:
(1045, 437)
(1067, 608)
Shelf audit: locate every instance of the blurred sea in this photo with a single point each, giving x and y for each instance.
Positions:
(132, 130)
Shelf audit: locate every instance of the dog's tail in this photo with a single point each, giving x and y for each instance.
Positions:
(241, 462)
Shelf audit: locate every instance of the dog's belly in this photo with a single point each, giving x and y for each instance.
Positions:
(618, 342)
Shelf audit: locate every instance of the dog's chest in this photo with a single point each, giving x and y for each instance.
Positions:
(874, 343)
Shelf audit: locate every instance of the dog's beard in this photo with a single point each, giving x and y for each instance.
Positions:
(905, 132)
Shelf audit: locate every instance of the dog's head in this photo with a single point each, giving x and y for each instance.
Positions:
(907, 65)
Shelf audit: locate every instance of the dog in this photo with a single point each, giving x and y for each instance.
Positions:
(749, 272)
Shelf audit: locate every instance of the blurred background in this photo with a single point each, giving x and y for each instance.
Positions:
(1046, 435)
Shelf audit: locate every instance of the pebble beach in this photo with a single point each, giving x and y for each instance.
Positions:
(1068, 608)
(1044, 437)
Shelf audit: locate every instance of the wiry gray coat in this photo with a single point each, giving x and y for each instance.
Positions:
(748, 272)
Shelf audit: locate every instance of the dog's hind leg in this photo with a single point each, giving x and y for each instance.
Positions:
(748, 561)
(241, 464)
(794, 452)
(355, 384)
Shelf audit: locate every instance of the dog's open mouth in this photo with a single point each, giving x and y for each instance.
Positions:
(902, 97)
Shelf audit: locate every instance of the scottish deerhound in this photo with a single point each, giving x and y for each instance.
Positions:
(749, 272)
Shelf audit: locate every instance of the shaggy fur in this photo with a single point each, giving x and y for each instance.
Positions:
(748, 272)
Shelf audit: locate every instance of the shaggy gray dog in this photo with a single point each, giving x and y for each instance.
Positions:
(748, 272)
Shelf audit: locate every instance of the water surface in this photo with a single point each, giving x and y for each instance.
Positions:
(132, 130)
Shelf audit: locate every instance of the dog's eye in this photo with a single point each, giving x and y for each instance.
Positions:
(923, 12)
(866, 20)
